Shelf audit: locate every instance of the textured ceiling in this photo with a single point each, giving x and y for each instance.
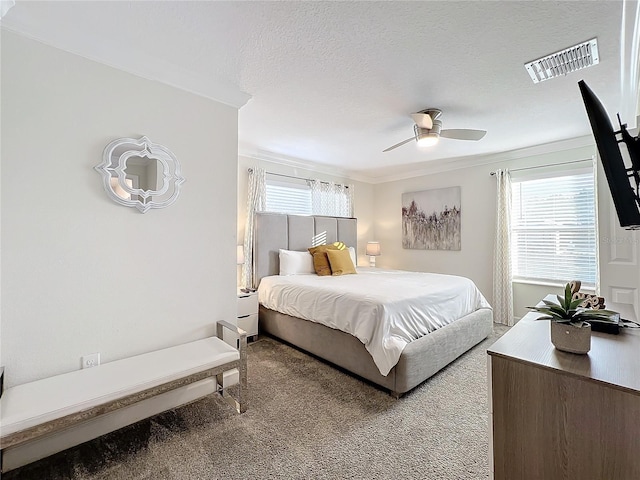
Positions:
(334, 82)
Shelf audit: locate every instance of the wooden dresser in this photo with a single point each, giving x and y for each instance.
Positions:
(557, 415)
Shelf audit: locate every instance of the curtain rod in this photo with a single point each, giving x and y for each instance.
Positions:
(548, 165)
(298, 178)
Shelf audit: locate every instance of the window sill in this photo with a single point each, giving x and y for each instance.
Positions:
(550, 284)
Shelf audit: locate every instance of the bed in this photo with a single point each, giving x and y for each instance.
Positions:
(418, 359)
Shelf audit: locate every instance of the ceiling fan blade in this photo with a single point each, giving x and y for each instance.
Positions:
(463, 134)
(399, 144)
(423, 120)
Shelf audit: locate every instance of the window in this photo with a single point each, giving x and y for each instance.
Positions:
(307, 197)
(288, 196)
(553, 229)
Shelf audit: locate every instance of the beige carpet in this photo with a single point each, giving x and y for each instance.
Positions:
(306, 419)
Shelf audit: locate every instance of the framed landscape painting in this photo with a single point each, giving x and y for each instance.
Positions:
(431, 219)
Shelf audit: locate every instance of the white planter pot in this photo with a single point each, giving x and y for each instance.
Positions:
(568, 338)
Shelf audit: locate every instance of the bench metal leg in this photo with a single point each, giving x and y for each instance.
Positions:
(239, 402)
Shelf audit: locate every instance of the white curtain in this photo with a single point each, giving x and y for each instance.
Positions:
(502, 285)
(328, 198)
(256, 202)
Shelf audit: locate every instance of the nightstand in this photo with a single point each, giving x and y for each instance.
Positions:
(248, 313)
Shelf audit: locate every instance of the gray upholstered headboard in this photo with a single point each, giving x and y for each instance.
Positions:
(274, 231)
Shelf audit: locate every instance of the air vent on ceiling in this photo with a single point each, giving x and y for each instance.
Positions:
(560, 63)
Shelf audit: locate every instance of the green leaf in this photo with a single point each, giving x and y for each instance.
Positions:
(576, 303)
(598, 316)
(540, 310)
(606, 312)
(558, 310)
(544, 318)
(567, 296)
(548, 302)
(599, 320)
(555, 315)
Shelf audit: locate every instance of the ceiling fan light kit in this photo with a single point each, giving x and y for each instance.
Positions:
(427, 137)
(427, 140)
(428, 130)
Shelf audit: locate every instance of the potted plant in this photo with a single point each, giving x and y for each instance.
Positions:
(570, 323)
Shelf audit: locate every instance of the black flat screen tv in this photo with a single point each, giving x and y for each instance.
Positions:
(619, 177)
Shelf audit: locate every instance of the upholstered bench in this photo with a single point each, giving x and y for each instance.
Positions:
(85, 401)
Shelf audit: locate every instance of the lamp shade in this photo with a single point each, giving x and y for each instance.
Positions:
(240, 255)
(373, 249)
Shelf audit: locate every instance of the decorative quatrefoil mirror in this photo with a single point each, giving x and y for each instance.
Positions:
(140, 173)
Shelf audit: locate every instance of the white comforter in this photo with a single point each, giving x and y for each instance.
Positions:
(384, 309)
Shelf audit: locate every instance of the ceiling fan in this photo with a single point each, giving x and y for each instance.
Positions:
(428, 129)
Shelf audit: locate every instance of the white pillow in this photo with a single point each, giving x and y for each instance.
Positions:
(295, 263)
(352, 252)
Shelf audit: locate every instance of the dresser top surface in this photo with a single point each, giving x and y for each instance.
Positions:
(613, 359)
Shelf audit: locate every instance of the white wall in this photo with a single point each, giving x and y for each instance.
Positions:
(363, 203)
(81, 274)
(475, 259)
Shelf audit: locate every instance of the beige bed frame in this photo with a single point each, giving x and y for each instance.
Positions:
(419, 360)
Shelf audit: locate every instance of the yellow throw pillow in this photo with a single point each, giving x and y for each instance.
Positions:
(321, 263)
(328, 246)
(340, 262)
(320, 260)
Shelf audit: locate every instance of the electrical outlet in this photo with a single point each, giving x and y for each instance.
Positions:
(92, 360)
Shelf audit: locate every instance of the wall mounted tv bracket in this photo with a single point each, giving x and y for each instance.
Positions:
(626, 196)
(633, 147)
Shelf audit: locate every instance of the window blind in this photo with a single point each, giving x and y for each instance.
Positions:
(553, 229)
(289, 196)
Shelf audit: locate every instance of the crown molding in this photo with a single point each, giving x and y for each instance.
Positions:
(431, 168)
(434, 167)
(150, 68)
(294, 162)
